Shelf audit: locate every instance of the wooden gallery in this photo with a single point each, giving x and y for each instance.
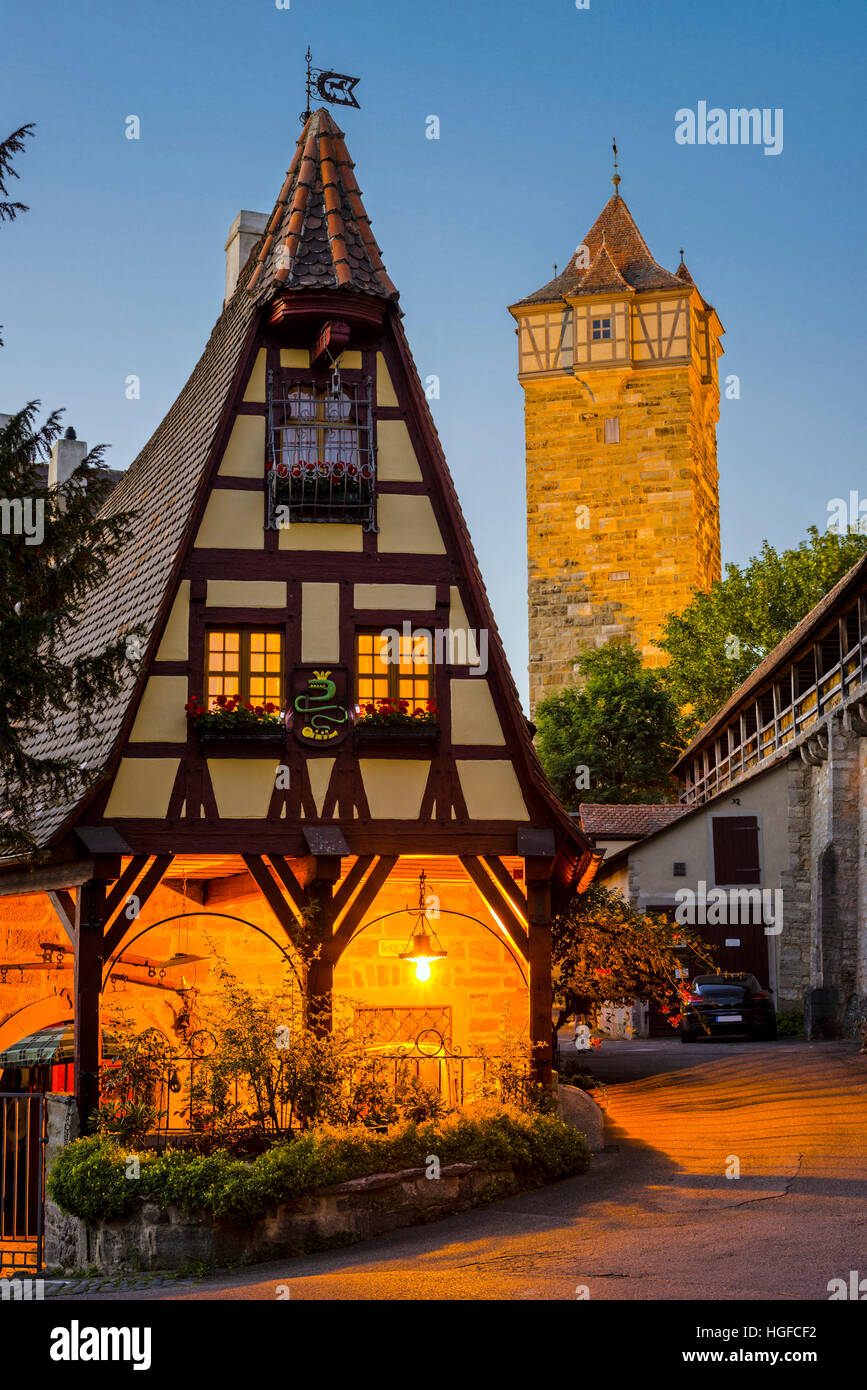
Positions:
(322, 712)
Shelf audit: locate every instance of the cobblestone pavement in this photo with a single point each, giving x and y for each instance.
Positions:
(658, 1216)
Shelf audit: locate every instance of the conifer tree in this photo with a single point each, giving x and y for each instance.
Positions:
(55, 545)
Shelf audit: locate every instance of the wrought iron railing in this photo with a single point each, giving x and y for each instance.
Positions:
(321, 463)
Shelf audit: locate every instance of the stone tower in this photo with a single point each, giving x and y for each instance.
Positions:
(618, 361)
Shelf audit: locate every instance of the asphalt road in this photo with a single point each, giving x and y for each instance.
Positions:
(656, 1217)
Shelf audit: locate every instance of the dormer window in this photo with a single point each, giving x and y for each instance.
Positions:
(600, 330)
(321, 464)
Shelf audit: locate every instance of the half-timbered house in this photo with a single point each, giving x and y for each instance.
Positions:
(298, 545)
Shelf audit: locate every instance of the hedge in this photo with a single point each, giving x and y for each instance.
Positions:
(95, 1178)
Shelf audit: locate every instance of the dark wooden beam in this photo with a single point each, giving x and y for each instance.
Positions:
(120, 891)
(275, 900)
(507, 883)
(64, 905)
(497, 903)
(46, 878)
(358, 908)
(351, 882)
(295, 891)
(143, 890)
(90, 916)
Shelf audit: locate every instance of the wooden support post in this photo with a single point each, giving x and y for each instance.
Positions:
(538, 880)
(320, 969)
(90, 915)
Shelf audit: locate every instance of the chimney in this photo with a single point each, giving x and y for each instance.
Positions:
(66, 456)
(244, 232)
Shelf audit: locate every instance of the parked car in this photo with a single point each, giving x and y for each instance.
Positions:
(725, 1005)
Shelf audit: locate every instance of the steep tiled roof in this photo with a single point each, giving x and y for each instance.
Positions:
(683, 274)
(615, 227)
(319, 236)
(854, 581)
(602, 275)
(159, 487)
(626, 822)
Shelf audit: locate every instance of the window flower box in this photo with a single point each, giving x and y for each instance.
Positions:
(228, 721)
(394, 723)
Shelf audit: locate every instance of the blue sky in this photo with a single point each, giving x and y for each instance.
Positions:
(118, 267)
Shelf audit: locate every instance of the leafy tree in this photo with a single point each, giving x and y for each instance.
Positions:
(54, 549)
(620, 723)
(604, 951)
(722, 635)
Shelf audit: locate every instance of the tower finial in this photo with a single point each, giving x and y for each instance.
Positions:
(616, 179)
(681, 255)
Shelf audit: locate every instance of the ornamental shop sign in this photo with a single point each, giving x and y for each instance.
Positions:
(319, 707)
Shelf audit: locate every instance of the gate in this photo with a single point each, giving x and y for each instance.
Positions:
(23, 1140)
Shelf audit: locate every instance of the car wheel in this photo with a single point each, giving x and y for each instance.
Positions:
(767, 1034)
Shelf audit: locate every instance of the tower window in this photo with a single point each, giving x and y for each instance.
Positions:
(247, 664)
(600, 329)
(612, 431)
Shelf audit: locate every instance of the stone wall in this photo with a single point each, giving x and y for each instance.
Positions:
(652, 523)
(153, 1239)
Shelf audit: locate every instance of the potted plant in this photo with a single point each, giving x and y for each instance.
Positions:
(228, 719)
(387, 722)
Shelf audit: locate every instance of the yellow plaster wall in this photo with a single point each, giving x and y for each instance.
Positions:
(385, 394)
(396, 461)
(319, 772)
(320, 622)
(491, 789)
(245, 451)
(306, 535)
(407, 525)
(294, 357)
(243, 786)
(351, 360)
(175, 643)
(397, 596)
(160, 717)
(474, 716)
(459, 622)
(233, 520)
(246, 593)
(142, 787)
(394, 787)
(256, 385)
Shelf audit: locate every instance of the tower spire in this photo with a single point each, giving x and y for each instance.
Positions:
(616, 178)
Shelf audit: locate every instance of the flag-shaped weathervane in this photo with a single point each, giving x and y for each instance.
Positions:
(333, 87)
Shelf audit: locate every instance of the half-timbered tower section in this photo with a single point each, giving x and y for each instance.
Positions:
(618, 360)
(299, 549)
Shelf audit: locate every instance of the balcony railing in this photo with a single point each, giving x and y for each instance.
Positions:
(321, 463)
(713, 770)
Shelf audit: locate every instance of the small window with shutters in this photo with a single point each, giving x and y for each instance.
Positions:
(736, 849)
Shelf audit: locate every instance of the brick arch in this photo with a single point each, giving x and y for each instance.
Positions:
(41, 1013)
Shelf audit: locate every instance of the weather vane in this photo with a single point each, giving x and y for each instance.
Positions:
(334, 87)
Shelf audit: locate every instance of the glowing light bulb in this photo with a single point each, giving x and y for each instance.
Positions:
(422, 970)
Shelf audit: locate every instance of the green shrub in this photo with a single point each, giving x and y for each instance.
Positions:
(790, 1023)
(89, 1177)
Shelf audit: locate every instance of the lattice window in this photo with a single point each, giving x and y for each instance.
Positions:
(321, 464)
(600, 330)
(245, 663)
(394, 668)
